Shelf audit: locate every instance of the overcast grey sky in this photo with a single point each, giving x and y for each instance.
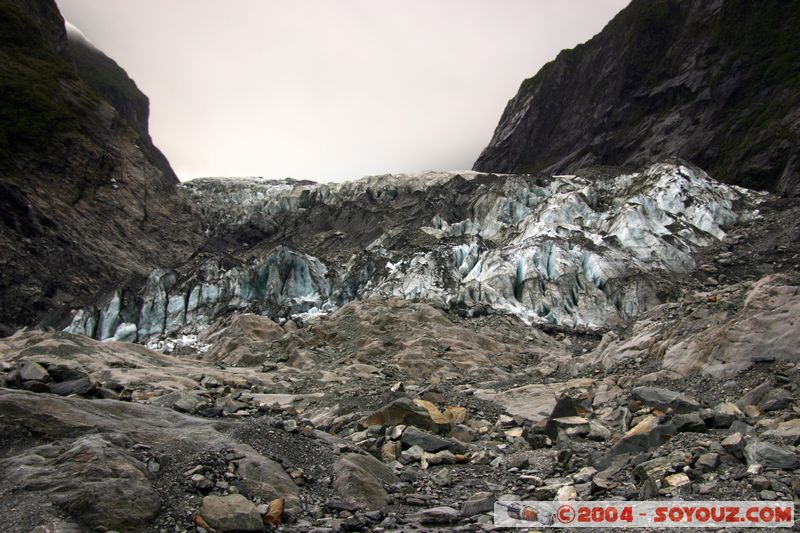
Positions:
(330, 90)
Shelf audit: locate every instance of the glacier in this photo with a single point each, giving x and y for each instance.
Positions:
(577, 251)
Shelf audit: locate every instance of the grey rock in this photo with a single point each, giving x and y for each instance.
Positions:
(707, 462)
(231, 513)
(571, 426)
(463, 433)
(439, 515)
(210, 382)
(36, 386)
(341, 505)
(411, 455)
(775, 400)
(81, 387)
(740, 426)
(649, 489)
(650, 433)
(754, 396)
(725, 414)
(89, 478)
(66, 372)
(770, 456)
(33, 371)
(567, 406)
(689, 422)
(201, 482)
(185, 401)
(442, 477)
(665, 399)
(401, 411)
(734, 444)
(598, 431)
(263, 476)
(78, 457)
(478, 503)
(518, 460)
(229, 405)
(760, 482)
(414, 436)
(656, 468)
(360, 478)
(443, 457)
(787, 432)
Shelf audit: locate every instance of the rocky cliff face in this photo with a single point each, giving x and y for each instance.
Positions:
(84, 203)
(712, 82)
(113, 84)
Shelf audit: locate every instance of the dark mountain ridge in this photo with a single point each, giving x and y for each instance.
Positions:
(111, 82)
(86, 201)
(711, 82)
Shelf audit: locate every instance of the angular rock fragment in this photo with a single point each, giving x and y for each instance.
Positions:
(690, 422)
(260, 475)
(33, 371)
(401, 411)
(650, 433)
(787, 433)
(231, 513)
(478, 503)
(571, 426)
(185, 401)
(360, 479)
(413, 436)
(734, 444)
(775, 400)
(707, 462)
(770, 456)
(81, 387)
(438, 515)
(725, 414)
(754, 396)
(665, 399)
(656, 468)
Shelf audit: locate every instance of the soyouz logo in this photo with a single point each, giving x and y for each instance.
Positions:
(718, 514)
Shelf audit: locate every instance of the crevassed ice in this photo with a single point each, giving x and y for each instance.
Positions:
(568, 250)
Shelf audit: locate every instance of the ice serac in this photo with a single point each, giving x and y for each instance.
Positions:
(578, 251)
(284, 282)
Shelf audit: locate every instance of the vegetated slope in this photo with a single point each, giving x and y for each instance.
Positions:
(712, 82)
(83, 202)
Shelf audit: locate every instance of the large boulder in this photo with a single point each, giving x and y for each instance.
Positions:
(650, 433)
(232, 513)
(90, 478)
(263, 477)
(401, 411)
(770, 456)
(413, 436)
(665, 399)
(360, 479)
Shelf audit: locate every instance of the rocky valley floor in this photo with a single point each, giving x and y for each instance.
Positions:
(392, 414)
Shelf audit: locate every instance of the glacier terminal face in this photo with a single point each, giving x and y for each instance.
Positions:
(577, 251)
